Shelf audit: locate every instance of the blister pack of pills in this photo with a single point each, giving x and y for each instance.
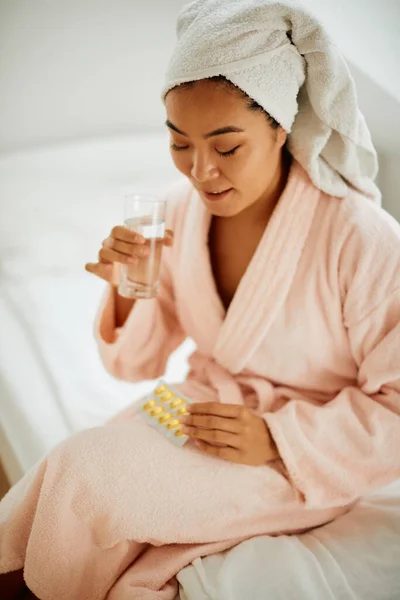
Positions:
(163, 408)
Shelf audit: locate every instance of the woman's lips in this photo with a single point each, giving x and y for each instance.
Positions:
(214, 197)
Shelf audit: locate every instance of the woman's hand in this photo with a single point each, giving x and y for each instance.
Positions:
(231, 432)
(123, 246)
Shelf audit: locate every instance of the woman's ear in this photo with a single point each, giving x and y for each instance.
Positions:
(281, 136)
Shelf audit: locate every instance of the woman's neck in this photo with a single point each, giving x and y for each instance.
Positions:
(260, 212)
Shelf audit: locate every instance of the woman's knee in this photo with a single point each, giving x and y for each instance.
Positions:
(89, 451)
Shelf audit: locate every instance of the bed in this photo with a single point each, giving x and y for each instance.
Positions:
(56, 205)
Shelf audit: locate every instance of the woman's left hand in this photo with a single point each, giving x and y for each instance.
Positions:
(231, 432)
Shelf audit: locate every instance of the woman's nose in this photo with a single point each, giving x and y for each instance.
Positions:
(203, 169)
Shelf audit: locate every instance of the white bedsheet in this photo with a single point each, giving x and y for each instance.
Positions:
(356, 557)
(56, 205)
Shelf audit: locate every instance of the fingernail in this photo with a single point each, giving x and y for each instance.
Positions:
(183, 419)
(185, 429)
(144, 251)
(139, 239)
(133, 259)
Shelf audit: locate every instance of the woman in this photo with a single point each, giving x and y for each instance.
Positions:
(286, 275)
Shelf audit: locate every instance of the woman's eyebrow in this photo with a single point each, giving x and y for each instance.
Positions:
(220, 131)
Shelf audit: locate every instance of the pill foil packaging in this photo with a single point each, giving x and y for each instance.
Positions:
(162, 409)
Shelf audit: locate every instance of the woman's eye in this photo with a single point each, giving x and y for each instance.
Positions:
(178, 148)
(230, 152)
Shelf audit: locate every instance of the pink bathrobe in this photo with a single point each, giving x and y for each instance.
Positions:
(311, 342)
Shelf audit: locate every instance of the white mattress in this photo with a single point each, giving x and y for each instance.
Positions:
(56, 205)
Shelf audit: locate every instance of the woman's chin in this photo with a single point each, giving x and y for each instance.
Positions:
(227, 207)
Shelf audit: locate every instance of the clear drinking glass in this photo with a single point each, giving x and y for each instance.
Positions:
(144, 214)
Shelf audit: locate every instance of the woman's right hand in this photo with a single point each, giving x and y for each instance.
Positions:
(123, 246)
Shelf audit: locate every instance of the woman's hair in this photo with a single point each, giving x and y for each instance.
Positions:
(251, 104)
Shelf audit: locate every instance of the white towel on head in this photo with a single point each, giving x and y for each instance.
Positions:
(281, 56)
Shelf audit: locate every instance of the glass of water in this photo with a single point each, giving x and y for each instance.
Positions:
(145, 215)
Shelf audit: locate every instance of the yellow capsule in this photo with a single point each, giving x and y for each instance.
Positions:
(179, 433)
(172, 424)
(182, 411)
(149, 405)
(160, 390)
(177, 402)
(156, 411)
(164, 418)
(166, 396)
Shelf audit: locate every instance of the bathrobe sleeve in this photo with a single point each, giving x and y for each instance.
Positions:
(338, 452)
(139, 350)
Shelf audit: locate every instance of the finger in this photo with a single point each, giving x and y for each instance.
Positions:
(223, 452)
(108, 242)
(213, 422)
(230, 411)
(103, 270)
(96, 267)
(91, 267)
(130, 249)
(102, 260)
(214, 436)
(107, 254)
(127, 235)
(169, 237)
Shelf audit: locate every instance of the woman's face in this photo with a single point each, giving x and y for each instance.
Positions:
(223, 146)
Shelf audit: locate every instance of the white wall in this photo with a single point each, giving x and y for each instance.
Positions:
(73, 68)
(367, 32)
(389, 182)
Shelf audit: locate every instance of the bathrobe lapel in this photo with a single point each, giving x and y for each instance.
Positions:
(236, 335)
(202, 311)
